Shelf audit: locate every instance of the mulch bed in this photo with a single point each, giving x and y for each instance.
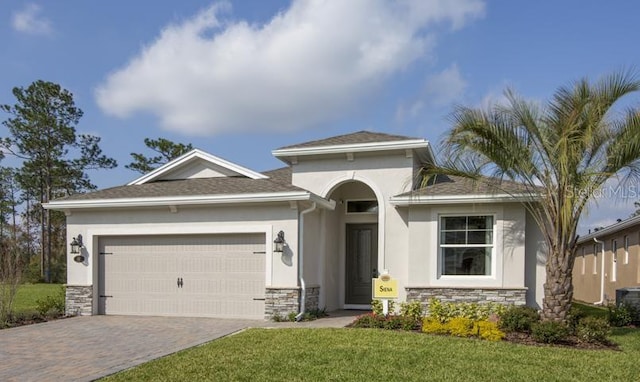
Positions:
(571, 342)
(30, 320)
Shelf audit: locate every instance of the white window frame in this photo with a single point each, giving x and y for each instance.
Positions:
(346, 207)
(626, 249)
(614, 260)
(493, 245)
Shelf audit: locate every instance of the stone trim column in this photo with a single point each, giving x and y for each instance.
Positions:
(312, 300)
(281, 302)
(79, 300)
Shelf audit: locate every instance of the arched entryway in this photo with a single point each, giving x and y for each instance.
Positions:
(353, 237)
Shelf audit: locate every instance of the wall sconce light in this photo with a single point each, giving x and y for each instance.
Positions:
(76, 245)
(278, 243)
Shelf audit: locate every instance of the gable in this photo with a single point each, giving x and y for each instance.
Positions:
(199, 168)
(197, 164)
(362, 144)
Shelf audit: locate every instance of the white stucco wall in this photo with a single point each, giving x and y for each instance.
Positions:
(199, 168)
(384, 176)
(364, 177)
(536, 257)
(508, 264)
(281, 271)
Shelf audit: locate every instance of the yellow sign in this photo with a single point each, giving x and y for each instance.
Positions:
(385, 289)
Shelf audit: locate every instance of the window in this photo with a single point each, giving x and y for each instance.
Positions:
(626, 249)
(614, 260)
(466, 245)
(362, 206)
(595, 259)
(584, 265)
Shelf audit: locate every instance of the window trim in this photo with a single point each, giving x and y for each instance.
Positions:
(346, 206)
(493, 245)
(614, 260)
(626, 249)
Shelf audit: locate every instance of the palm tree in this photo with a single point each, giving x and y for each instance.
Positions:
(560, 152)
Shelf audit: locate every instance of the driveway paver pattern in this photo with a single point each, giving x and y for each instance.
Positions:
(90, 347)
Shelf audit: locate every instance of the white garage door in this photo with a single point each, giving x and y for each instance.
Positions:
(183, 275)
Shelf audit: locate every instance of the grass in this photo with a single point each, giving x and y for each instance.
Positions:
(29, 294)
(372, 354)
(591, 310)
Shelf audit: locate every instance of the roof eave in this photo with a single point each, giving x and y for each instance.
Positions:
(190, 200)
(414, 144)
(405, 201)
(610, 229)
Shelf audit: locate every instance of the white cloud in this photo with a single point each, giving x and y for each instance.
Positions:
(445, 87)
(30, 20)
(405, 111)
(309, 64)
(439, 90)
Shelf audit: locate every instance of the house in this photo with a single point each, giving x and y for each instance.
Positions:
(202, 236)
(606, 260)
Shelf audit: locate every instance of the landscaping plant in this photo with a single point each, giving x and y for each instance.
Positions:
(558, 152)
(622, 315)
(518, 319)
(593, 330)
(549, 332)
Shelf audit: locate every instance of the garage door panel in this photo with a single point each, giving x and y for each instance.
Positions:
(223, 275)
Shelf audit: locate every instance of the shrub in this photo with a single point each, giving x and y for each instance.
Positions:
(412, 309)
(488, 331)
(474, 311)
(549, 332)
(433, 326)
(438, 310)
(574, 317)
(52, 305)
(393, 322)
(518, 319)
(378, 321)
(463, 327)
(369, 320)
(622, 315)
(376, 307)
(593, 330)
(460, 327)
(408, 323)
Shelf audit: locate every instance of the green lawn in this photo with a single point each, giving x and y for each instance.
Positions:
(28, 294)
(371, 354)
(591, 310)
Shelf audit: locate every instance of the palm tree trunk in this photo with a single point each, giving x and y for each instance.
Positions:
(558, 289)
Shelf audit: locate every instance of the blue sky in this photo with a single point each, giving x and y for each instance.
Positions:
(240, 78)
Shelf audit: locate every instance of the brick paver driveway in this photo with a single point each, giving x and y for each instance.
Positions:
(86, 348)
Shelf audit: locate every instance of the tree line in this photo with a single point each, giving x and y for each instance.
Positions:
(54, 161)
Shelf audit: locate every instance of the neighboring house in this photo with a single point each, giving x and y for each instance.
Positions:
(197, 236)
(610, 263)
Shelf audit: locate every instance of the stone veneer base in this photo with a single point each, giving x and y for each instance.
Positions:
(284, 301)
(505, 296)
(79, 300)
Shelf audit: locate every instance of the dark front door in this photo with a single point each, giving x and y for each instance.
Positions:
(362, 262)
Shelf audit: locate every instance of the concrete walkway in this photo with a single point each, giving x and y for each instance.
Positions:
(90, 347)
(337, 319)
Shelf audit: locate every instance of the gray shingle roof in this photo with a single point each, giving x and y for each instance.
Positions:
(456, 185)
(280, 175)
(350, 139)
(190, 187)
